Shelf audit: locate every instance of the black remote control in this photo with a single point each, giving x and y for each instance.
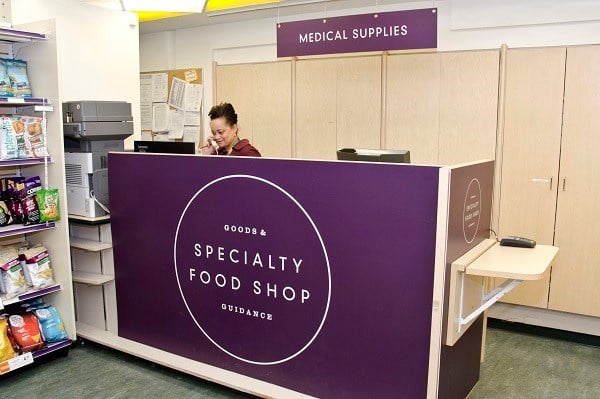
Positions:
(521, 242)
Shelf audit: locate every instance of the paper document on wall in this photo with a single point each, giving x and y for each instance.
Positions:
(160, 117)
(146, 116)
(176, 124)
(193, 97)
(160, 87)
(191, 118)
(191, 133)
(145, 89)
(177, 94)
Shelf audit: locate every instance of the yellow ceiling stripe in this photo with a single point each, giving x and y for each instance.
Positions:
(220, 5)
(145, 16)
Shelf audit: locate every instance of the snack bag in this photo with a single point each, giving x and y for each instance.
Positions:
(23, 145)
(26, 331)
(6, 349)
(26, 194)
(51, 325)
(5, 216)
(11, 273)
(38, 266)
(47, 201)
(5, 88)
(19, 81)
(9, 148)
(35, 129)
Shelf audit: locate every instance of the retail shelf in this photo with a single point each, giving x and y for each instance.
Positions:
(91, 278)
(89, 245)
(29, 357)
(87, 220)
(19, 36)
(25, 161)
(23, 101)
(30, 295)
(17, 229)
(49, 348)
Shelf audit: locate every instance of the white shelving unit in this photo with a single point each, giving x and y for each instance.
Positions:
(93, 272)
(40, 51)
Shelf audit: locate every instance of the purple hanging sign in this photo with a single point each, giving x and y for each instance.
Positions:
(399, 30)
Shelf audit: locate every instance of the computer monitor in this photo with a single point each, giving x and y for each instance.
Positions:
(359, 154)
(165, 147)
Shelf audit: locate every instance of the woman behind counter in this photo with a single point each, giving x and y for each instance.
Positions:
(224, 129)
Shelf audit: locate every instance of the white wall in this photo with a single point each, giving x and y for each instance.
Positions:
(98, 50)
(541, 23)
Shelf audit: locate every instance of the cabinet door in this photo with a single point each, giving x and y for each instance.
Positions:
(338, 104)
(412, 105)
(468, 106)
(575, 285)
(272, 109)
(530, 154)
(262, 97)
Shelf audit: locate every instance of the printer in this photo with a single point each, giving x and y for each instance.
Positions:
(91, 129)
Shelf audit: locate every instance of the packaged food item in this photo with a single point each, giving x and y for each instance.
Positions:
(5, 216)
(47, 201)
(23, 145)
(12, 281)
(5, 88)
(35, 129)
(19, 81)
(7, 351)
(51, 325)
(9, 148)
(25, 330)
(38, 266)
(26, 194)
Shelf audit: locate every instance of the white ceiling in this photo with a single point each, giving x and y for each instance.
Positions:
(287, 8)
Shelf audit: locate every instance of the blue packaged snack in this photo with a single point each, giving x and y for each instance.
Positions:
(5, 87)
(51, 325)
(17, 73)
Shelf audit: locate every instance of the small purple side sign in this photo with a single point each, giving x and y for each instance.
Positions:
(399, 30)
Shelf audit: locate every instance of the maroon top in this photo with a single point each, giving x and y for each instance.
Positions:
(242, 148)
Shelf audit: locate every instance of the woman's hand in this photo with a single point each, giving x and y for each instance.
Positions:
(209, 147)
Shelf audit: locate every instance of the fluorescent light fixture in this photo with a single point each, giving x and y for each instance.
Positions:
(165, 6)
(220, 5)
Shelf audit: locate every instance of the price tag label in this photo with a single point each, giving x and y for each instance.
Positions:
(16, 362)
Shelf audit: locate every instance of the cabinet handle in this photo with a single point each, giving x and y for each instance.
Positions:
(537, 180)
(564, 184)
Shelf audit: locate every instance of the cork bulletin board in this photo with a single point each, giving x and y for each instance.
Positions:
(171, 105)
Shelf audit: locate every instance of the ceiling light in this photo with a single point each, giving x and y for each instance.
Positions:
(187, 6)
(220, 5)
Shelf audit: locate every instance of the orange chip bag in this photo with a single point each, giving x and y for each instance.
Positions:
(26, 331)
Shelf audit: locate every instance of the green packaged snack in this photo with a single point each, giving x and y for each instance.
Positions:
(47, 200)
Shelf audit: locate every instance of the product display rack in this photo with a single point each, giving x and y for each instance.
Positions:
(43, 77)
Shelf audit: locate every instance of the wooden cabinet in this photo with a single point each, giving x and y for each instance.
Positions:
(550, 179)
(338, 104)
(576, 274)
(262, 97)
(530, 154)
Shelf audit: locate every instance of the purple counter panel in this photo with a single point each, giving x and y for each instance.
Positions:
(469, 219)
(314, 276)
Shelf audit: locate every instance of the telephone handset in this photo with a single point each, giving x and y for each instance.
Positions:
(214, 145)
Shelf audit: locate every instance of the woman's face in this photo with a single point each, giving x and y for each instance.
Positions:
(223, 133)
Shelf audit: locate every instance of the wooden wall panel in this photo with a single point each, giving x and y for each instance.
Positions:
(412, 104)
(575, 285)
(468, 106)
(261, 96)
(272, 109)
(234, 86)
(316, 121)
(359, 102)
(531, 150)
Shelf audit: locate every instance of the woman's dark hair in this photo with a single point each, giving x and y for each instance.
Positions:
(224, 110)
